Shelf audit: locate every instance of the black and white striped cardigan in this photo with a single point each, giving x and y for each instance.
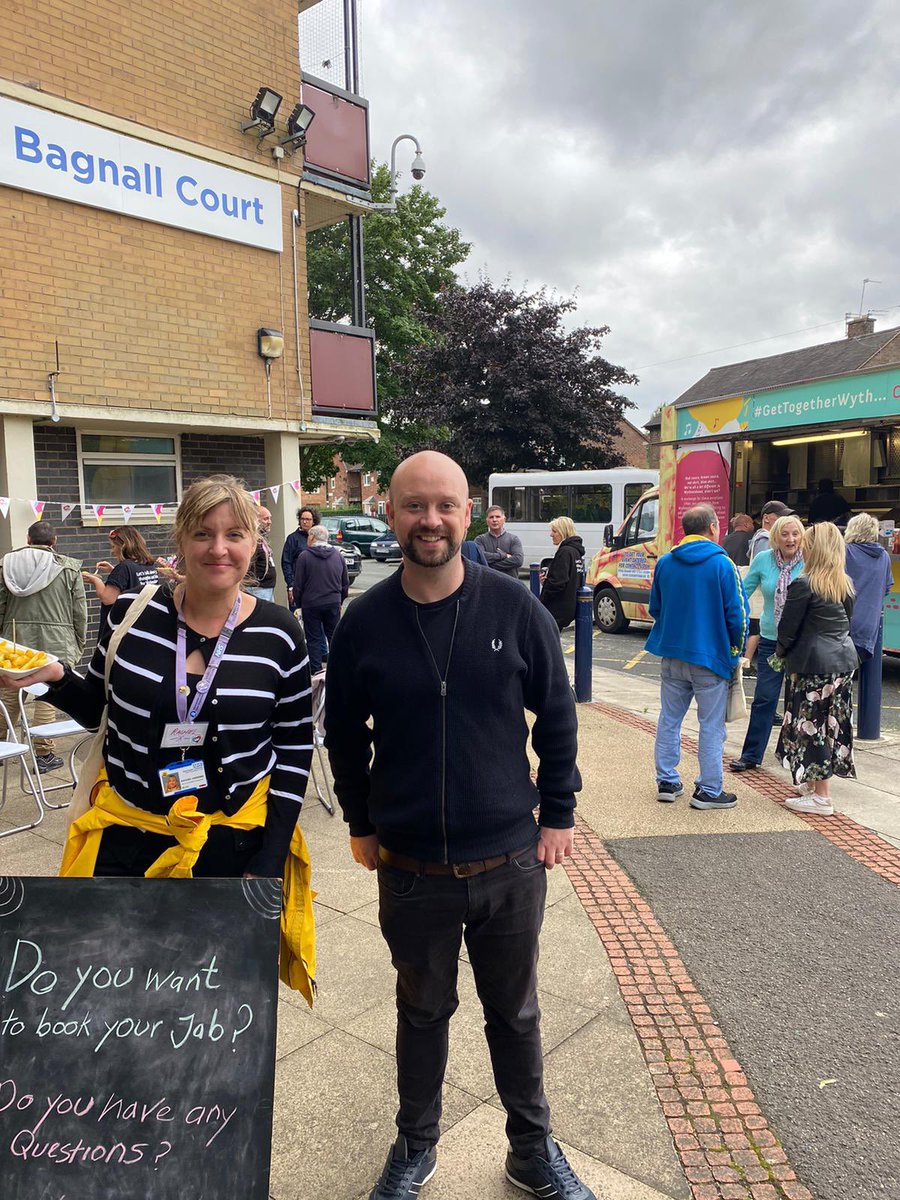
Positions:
(258, 709)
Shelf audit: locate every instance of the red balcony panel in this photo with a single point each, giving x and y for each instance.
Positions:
(338, 139)
(343, 369)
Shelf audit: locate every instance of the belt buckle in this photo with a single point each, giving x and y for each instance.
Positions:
(461, 870)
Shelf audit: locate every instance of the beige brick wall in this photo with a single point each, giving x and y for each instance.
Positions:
(148, 315)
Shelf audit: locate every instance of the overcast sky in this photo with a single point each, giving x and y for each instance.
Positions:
(702, 174)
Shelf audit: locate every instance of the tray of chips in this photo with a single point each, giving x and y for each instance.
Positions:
(17, 660)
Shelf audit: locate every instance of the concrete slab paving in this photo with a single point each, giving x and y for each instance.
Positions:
(354, 970)
(335, 1101)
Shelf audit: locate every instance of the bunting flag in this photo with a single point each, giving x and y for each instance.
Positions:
(4, 506)
(37, 507)
(127, 510)
(98, 511)
(255, 496)
(65, 510)
(157, 511)
(295, 484)
(275, 489)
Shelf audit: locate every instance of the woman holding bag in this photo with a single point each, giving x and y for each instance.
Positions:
(208, 742)
(770, 573)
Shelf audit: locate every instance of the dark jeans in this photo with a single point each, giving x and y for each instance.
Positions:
(319, 624)
(765, 701)
(424, 919)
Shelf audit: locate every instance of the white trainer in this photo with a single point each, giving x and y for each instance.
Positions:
(810, 804)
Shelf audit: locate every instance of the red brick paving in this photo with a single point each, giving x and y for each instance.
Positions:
(726, 1147)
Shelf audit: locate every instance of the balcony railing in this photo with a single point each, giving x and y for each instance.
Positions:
(342, 359)
(337, 144)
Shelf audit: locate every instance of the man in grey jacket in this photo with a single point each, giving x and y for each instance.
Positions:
(321, 585)
(43, 593)
(502, 550)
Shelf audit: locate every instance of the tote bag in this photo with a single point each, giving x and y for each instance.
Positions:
(93, 764)
(736, 704)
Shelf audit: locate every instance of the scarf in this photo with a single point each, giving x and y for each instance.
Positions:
(785, 567)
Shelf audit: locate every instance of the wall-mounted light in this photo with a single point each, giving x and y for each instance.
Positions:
(262, 112)
(298, 123)
(269, 344)
(819, 437)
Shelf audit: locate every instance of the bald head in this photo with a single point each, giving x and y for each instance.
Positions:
(264, 517)
(428, 466)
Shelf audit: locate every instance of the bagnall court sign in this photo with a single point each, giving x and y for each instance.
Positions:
(44, 152)
(851, 398)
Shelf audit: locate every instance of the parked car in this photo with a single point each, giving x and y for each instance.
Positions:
(386, 548)
(358, 531)
(353, 559)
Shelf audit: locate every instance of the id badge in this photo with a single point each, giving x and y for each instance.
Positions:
(179, 778)
(185, 735)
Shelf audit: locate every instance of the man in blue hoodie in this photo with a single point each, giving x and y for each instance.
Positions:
(320, 586)
(701, 617)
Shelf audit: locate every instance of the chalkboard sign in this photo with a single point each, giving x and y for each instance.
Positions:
(137, 1038)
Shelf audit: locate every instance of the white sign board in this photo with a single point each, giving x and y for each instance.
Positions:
(41, 151)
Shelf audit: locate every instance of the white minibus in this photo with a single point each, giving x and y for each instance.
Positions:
(593, 499)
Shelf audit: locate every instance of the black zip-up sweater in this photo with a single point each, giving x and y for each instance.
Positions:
(450, 779)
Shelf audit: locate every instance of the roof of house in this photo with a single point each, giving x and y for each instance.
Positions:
(825, 361)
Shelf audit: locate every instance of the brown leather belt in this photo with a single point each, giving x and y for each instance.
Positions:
(459, 870)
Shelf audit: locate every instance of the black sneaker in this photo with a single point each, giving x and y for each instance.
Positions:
(777, 721)
(667, 792)
(405, 1172)
(48, 762)
(547, 1175)
(705, 800)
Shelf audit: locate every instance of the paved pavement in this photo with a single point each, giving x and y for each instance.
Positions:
(717, 990)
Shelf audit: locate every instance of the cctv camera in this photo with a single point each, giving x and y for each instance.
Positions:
(418, 167)
(418, 173)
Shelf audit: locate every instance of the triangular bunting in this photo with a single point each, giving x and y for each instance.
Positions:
(98, 511)
(127, 511)
(4, 506)
(255, 496)
(295, 484)
(37, 507)
(157, 511)
(275, 489)
(65, 510)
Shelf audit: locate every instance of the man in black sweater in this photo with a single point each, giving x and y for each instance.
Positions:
(436, 666)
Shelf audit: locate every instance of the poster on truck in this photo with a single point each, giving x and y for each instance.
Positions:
(703, 476)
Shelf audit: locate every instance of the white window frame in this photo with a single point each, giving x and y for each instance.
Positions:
(113, 514)
(382, 509)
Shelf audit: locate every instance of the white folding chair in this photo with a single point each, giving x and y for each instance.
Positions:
(320, 780)
(9, 750)
(54, 729)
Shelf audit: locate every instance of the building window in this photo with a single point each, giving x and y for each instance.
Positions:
(129, 468)
(381, 508)
(367, 479)
(477, 506)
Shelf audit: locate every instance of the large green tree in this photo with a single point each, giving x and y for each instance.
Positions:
(506, 386)
(410, 256)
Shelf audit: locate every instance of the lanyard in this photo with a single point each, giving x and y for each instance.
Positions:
(181, 688)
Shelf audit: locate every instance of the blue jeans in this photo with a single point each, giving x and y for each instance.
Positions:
(765, 701)
(319, 625)
(680, 682)
(262, 593)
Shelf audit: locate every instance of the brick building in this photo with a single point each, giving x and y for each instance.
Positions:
(147, 241)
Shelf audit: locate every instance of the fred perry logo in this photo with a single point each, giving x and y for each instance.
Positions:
(496, 645)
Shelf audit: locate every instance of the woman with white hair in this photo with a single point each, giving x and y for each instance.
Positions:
(560, 590)
(869, 566)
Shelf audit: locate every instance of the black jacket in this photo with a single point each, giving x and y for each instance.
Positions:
(450, 780)
(293, 546)
(814, 633)
(561, 585)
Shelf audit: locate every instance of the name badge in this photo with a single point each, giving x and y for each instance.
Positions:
(180, 777)
(185, 734)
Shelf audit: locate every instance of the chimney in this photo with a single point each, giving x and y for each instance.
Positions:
(858, 326)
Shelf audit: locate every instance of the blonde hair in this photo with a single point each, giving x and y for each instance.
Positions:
(206, 494)
(862, 528)
(824, 562)
(564, 526)
(775, 531)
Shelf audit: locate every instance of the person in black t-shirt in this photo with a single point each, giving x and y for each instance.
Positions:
(133, 569)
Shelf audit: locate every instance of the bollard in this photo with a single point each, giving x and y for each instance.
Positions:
(534, 575)
(584, 646)
(868, 718)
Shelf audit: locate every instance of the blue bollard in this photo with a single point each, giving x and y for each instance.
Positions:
(584, 646)
(534, 575)
(868, 718)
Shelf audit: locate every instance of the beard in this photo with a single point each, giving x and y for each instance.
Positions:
(411, 551)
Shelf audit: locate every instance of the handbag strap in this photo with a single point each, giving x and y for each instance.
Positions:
(135, 609)
(745, 624)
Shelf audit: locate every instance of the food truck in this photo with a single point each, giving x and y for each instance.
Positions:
(769, 429)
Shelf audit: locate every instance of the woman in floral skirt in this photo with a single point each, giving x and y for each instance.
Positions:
(816, 739)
